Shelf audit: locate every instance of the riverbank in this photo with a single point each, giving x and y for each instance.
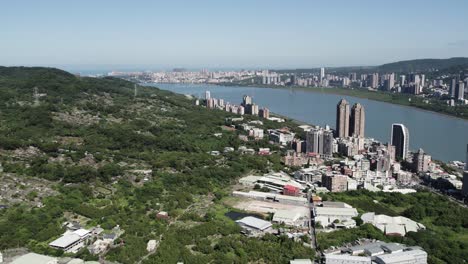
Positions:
(439, 107)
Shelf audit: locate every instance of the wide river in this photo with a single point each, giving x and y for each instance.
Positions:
(443, 137)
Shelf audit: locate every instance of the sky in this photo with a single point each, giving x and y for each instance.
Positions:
(156, 34)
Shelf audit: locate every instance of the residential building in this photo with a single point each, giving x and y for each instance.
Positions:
(357, 121)
(400, 139)
(281, 136)
(335, 183)
(247, 100)
(421, 161)
(465, 176)
(342, 119)
(453, 88)
(264, 113)
(460, 92)
(320, 141)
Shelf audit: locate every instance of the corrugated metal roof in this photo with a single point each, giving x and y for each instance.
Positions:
(254, 222)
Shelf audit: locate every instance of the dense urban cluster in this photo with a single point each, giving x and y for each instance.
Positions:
(333, 161)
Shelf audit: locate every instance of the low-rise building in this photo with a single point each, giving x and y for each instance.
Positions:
(298, 217)
(377, 253)
(335, 183)
(346, 259)
(281, 136)
(406, 257)
(328, 215)
(33, 258)
(253, 226)
(392, 226)
(273, 197)
(71, 241)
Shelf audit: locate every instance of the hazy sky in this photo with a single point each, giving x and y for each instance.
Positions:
(224, 33)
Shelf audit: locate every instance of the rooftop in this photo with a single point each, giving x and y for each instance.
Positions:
(254, 222)
(335, 211)
(33, 258)
(65, 240)
(401, 257)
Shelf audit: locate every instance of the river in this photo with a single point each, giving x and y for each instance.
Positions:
(442, 136)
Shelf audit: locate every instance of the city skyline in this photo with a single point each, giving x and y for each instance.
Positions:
(236, 34)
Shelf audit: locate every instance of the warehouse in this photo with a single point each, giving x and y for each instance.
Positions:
(273, 197)
(298, 217)
(327, 215)
(253, 226)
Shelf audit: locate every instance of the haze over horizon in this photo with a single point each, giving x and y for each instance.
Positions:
(229, 34)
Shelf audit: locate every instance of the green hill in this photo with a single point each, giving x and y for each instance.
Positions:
(76, 152)
(423, 65)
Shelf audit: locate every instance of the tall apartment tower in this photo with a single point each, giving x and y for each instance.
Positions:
(342, 119)
(465, 176)
(207, 95)
(320, 141)
(357, 121)
(247, 100)
(453, 88)
(460, 91)
(322, 74)
(400, 139)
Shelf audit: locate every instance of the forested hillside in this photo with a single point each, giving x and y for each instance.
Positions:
(85, 149)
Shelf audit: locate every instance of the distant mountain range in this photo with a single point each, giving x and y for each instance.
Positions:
(423, 65)
(419, 65)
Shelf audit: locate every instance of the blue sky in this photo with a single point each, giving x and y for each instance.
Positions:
(225, 34)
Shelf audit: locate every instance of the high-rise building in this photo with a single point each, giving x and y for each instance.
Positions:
(264, 113)
(247, 100)
(402, 80)
(207, 95)
(357, 121)
(400, 139)
(460, 91)
(465, 176)
(389, 82)
(293, 79)
(253, 109)
(320, 141)
(373, 80)
(322, 74)
(421, 161)
(423, 80)
(453, 88)
(342, 119)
